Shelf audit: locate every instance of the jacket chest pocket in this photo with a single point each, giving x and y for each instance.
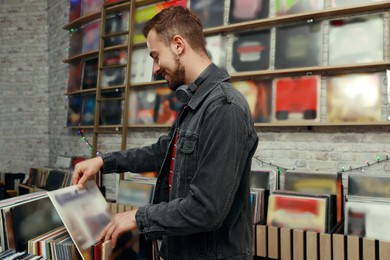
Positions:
(185, 160)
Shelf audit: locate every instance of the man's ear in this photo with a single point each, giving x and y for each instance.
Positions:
(179, 44)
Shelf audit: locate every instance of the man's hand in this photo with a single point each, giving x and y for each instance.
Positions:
(86, 169)
(121, 223)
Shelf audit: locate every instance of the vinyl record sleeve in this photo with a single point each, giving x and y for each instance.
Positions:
(142, 103)
(88, 113)
(74, 79)
(74, 110)
(369, 185)
(91, 37)
(354, 98)
(117, 23)
(90, 73)
(74, 10)
(216, 49)
(210, 12)
(90, 7)
(247, 10)
(298, 45)
(84, 213)
(141, 66)
(287, 7)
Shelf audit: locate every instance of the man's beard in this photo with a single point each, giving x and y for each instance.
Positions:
(177, 77)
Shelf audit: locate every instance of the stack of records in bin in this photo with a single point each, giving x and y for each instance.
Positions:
(367, 206)
(310, 201)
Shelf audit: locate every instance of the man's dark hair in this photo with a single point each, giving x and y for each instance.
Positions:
(177, 20)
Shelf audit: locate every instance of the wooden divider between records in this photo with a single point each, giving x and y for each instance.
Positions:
(298, 245)
(369, 249)
(261, 241)
(273, 242)
(311, 245)
(353, 247)
(286, 243)
(339, 247)
(325, 246)
(384, 250)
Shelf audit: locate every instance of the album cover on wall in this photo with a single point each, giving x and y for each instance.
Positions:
(356, 39)
(258, 94)
(74, 10)
(210, 12)
(298, 45)
(114, 57)
(76, 42)
(91, 37)
(369, 185)
(74, 78)
(90, 7)
(116, 23)
(142, 104)
(286, 7)
(145, 13)
(141, 66)
(251, 50)
(216, 49)
(167, 106)
(247, 10)
(74, 110)
(354, 98)
(88, 113)
(111, 110)
(113, 77)
(90, 73)
(297, 98)
(340, 3)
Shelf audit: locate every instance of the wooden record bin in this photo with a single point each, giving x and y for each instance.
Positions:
(289, 244)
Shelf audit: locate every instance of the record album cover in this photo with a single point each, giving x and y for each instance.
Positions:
(356, 39)
(354, 98)
(141, 66)
(369, 185)
(117, 23)
(74, 79)
(90, 7)
(167, 106)
(341, 3)
(91, 37)
(75, 42)
(111, 110)
(286, 7)
(90, 73)
(210, 12)
(74, 110)
(142, 104)
(297, 98)
(247, 10)
(88, 113)
(298, 45)
(216, 49)
(251, 50)
(74, 10)
(258, 94)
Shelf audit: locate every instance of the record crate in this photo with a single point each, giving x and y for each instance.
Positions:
(284, 243)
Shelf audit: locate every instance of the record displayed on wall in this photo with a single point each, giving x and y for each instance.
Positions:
(113, 77)
(141, 66)
(91, 37)
(297, 98)
(251, 50)
(354, 98)
(142, 104)
(74, 10)
(286, 7)
(216, 49)
(76, 42)
(116, 23)
(167, 106)
(210, 12)
(74, 80)
(258, 94)
(74, 110)
(90, 7)
(90, 73)
(357, 39)
(88, 113)
(298, 45)
(111, 110)
(339, 3)
(247, 10)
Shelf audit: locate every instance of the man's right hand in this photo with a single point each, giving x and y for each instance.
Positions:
(86, 169)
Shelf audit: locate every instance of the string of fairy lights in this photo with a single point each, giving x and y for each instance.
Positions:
(279, 168)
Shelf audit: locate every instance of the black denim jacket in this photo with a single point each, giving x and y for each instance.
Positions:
(208, 212)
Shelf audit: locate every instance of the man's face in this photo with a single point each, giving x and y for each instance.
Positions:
(166, 61)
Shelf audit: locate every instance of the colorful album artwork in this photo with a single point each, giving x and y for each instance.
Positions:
(75, 42)
(74, 79)
(144, 14)
(116, 23)
(114, 58)
(167, 106)
(354, 98)
(111, 110)
(259, 96)
(298, 46)
(356, 40)
(112, 77)
(251, 51)
(216, 49)
(142, 104)
(297, 212)
(90, 73)
(297, 98)
(88, 113)
(75, 104)
(141, 66)
(74, 10)
(247, 10)
(286, 7)
(210, 12)
(340, 3)
(91, 37)
(90, 7)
